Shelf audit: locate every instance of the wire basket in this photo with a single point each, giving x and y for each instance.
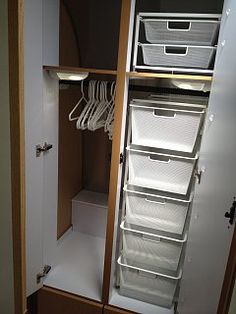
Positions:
(178, 55)
(157, 125)
(181, 31)
(160, 172)
(150, 252)
(145, 286)
(155, 213)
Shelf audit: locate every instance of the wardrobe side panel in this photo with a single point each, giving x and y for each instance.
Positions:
(125, 47)
(209, 236)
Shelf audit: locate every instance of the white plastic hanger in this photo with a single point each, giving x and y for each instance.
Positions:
(101, 99)
(109, 124)
(98, 111)
(78, 103)
(92, 106)
(91, 99)
(99, 117)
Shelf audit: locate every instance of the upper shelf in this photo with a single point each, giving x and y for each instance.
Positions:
(169, 76)
(77, 70)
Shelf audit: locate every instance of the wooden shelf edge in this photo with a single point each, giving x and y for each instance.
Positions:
(170, 76)
(75, 70)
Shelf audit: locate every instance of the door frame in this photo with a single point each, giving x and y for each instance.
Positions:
(16, 97)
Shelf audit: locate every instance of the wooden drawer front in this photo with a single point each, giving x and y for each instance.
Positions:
(113, 310)
(52, 301)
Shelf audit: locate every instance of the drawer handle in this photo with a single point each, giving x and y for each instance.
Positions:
(177, 26)
(156, 202)
(147, 275)
(164, 114)
(175, 51)
(156, 240)
(158, 160)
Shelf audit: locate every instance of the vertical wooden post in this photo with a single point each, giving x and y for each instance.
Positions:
(16, 87)
(229, 279)
(119, 102)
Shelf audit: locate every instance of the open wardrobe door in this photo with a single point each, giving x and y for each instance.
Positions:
(40, 22)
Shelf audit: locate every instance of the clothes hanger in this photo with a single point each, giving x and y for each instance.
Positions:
(91, 98)
(71, 118)
(92, 106)
(100, 115)
(92, 117)
(110, 117)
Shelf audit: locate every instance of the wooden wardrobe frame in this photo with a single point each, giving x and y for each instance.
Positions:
(16, 77)
(16, 87)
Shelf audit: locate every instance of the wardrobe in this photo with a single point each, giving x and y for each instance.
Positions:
(80, 183)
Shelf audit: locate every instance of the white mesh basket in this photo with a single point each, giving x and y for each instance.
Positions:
(178, 55)
(188, 32)
(155, 213)
(147, 287)
(161, 172)
(169, 128)
(150, 252)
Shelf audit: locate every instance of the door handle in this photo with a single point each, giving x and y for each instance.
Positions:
(231, 212)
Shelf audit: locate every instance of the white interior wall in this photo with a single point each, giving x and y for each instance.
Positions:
(6, 249)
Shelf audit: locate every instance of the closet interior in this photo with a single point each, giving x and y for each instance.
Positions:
(142, 235)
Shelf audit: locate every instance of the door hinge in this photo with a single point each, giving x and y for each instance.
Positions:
(121, 158)
(46, 270)
(42, 149)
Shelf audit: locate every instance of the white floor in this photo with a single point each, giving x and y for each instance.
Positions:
(136, 305)
(79, 267)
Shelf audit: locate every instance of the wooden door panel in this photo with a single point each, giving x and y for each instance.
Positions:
(50, 301)
(113, 310)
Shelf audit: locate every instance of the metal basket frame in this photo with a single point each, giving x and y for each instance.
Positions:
(136, 66)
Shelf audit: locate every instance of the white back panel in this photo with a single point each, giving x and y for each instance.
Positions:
(209, 237)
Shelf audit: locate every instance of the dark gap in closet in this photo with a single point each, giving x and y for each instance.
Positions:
(96, 27)
(89, 32)
(70, 156)
(180, 6)
(150, 89)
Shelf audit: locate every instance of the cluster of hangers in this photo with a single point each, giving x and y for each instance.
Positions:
(98, 111)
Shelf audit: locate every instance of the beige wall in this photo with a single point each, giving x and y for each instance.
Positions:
(6, 259)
